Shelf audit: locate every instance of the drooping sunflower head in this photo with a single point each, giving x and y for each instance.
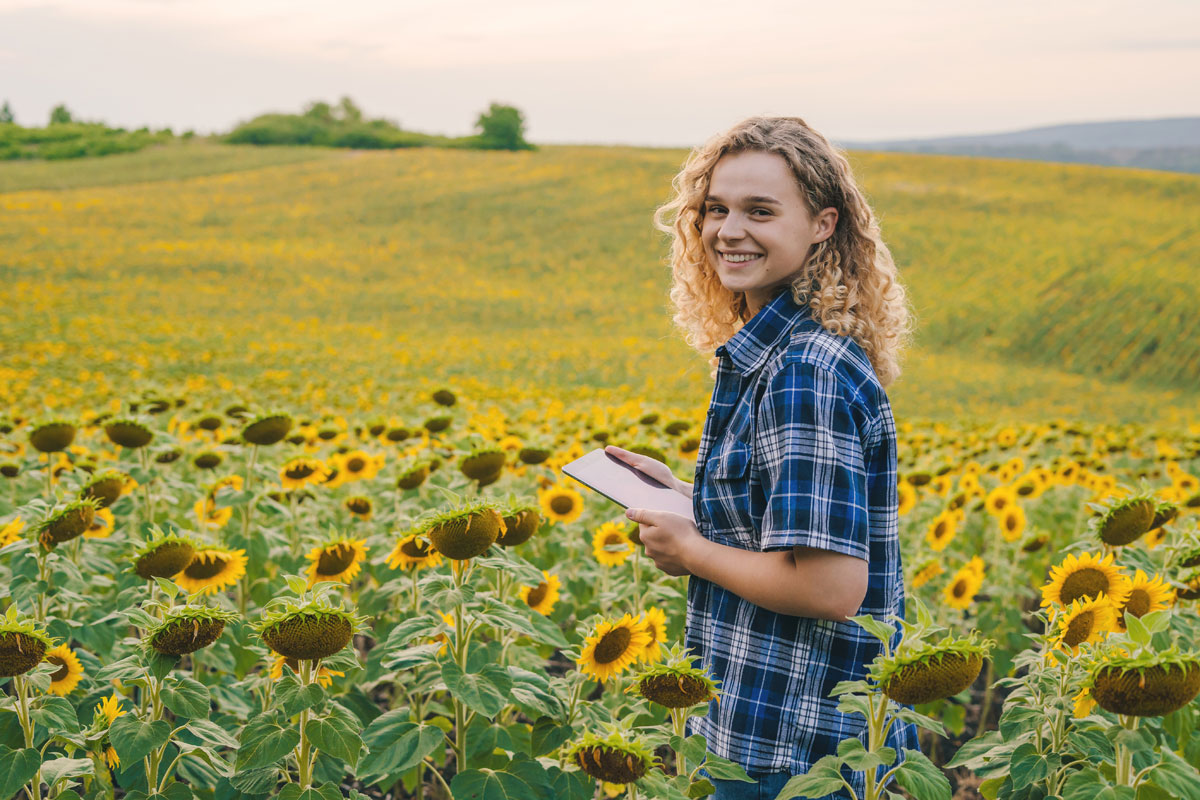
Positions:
(360, 506)
(128, 432)
(616, 758)
(561, 503)
(308, 629)
(23, 644)
(68, 523)
(267, 429)
(298, 471)
(339, 559)
(164, 556)
(413, 552)
(186, 629)
(931, 671)
(106, 487)
(69, 671)
(1085, 576)
(212, 570)
(207, 459)
(413, 476)
(1125, 520)
(541, 598)
(674, 682)
(1147, 685)
(444, 397)
(521, 522)
(613, 646)
(52, 435)
(1085, 621)
(484, 464)
(532, 454)
(466, 531)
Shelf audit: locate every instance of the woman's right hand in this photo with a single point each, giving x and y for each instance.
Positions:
(652, 467)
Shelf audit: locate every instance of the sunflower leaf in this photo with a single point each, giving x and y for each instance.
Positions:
(919, 777)
(188, 698)
(294, 697)
(57, 769)
(133, 739)
(55, 713)
(17, 768)
(336, 734)
(486, 784)
(263, 742)
(485, 691)
(877, 628)
(396, 744)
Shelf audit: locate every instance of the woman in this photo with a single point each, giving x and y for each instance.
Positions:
(778, 264)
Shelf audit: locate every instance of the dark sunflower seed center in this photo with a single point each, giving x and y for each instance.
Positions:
(537, 594)
(562, 504)
(415, 549)
(335, 559)
(1079, 629)
(63, 669)
(1088, 582)
(612, 645)
(299, 472)
(355, 464)
(202, 569)
(1139, 603)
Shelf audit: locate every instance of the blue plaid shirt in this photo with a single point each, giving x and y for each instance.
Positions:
(798, 448)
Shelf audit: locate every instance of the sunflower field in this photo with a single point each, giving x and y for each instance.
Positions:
(261, 536)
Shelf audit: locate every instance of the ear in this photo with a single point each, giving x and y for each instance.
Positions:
(825, 222)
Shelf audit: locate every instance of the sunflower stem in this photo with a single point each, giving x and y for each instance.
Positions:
(460, 658)
(35, 786)
(1124, 756)
(303, 754)
(679, 726)
(637, 595)
(144, 457)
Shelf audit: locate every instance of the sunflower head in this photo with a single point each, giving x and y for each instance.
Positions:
(439, 423)
(464, 532)
(67, 523)
(52, 435)
(69, 672)
(1085, 576)
(186, 629)
(209, 422)
(676, 427)
(483, 464)
(164, 556)
(444, 397)
(1151, 684)
(414, 476)
(674, 682)
(359, 505)
(212, 570)
(308, 628)
(128, 432)
(207, 459)
(929, 672)
(613, 646)
(413, 552)
(541, 598)
(521, 521)
(1125, 520)
(106, 487)
(561, 503)
(267, 429)
(1085, 621)
(616, 758)
(339, 559)
(23, 644)
(533, 455)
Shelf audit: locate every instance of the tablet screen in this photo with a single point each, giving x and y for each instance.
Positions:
(626, 486)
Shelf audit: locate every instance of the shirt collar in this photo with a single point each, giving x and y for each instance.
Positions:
(754, 341)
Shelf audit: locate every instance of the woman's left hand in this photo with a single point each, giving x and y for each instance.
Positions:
(670, 539)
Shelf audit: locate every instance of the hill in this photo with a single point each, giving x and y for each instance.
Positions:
(1040, 289)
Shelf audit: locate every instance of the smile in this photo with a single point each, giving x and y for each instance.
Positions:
(733, 258)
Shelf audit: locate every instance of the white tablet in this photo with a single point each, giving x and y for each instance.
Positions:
(625, 485)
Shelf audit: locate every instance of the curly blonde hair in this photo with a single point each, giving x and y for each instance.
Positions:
(849, 280)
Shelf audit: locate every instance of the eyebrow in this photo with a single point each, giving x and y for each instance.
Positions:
(757, 198)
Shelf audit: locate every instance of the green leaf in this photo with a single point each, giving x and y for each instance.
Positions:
(701, 788)
(187, 698)
(255, 781)
(397, 744)
(161, 665)
(990, 788)
(326, 791)
(56, 714)
(57, 769)
(876, 627)
(17, 768)
(856, 756)
(822, 778)
(294, 697)
(133, 739)
(1138, 631)
(725, 770)
(210, 732)
(263, 742)
(546, 735)
(336, 735)
(486, 784)
(1176, 776)
(485, 691)
(169, 588)
(1028, 766)
(532, 692)
(919, 777)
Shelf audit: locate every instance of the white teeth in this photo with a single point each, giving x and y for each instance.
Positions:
(736, 259)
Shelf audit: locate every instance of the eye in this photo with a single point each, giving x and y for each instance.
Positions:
(715, 209)
(765, 211)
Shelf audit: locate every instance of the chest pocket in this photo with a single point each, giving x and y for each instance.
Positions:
(726, 503)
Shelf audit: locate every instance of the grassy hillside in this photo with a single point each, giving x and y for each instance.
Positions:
(1040, 289)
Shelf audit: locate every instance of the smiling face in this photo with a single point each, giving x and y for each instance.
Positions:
(757, 231)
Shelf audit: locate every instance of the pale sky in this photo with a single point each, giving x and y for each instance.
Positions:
(651, 72)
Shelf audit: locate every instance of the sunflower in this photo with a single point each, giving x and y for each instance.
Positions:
(312, 631)
(907, 497)
(1083, 577)
(338, 560)
(267, 429)
(561, 503)
(1145, 595)
(1012, 522)
(413, 552)
(1084, 703)
(942, 530)
(108, 710)
(324, 674)
(927, 572)
(209, 515)
(101, 527)
(961, 590)
(541, 598)
(611, 544)
(999, 499)
(655, 621)
(1149, 685)
(614, 759)
(931, 672)
(301, 470)
(674, 682)
(466, 531)
(613, 647)
(69, 671)
(1086, 620)
(212, 570)
(358, 465)
(360, 506)
(163, 556)
(186, 629)
(11, 532)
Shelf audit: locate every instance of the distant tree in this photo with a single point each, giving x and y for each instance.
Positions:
(348, 111)
(6, 114)
(322, 112)
(502, 127)
(59, 115)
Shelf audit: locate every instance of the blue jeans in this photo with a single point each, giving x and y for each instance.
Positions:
(769, 785)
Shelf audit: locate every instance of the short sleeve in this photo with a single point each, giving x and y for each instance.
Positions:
(812, 468)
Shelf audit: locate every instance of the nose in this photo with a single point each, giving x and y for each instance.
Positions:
(732, 228)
